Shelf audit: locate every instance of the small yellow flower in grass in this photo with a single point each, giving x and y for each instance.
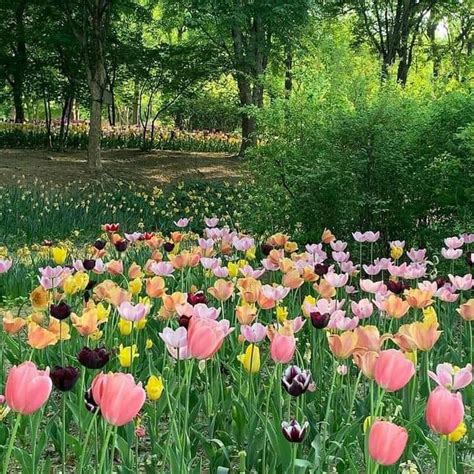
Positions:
(251, 359)
(154, 387)
(429, 315)
(458, 433)
(282, 314)
(148, 344)
(127, 354)
(59, 255)
(125, 327)
(135, 286)
(396, 252)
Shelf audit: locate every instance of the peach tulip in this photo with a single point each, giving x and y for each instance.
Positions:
(324, 289)
(39, 298)
(387, 442)
(327, 236)
(115, 267)
(170, 302)
(444, 410)
(395, 307)
(39, 337)
(417, 336)
(27, 389)
(12, 325)
(135, 271)
(60, 329)
(246, 313)
(222, 289)
(342, 346)
(205, 336)
(155, 287)
(393, 370)
(466, 310)
(366, 362)
(368, 338)
(249, 289)
(118, 397)
(417, 298)
(87, 324)
(292, 279)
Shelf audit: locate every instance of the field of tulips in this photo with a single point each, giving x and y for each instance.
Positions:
(34, 135)
(206, 350)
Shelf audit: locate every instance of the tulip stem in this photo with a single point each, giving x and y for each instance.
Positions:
(86, 441)
(267, 408)
(63, 438)
(6, 461)
(103, 453)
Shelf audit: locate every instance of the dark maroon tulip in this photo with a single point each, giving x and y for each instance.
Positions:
(99, 244)
(318, 320)
(441, 281)
(293, 431)
(168, 246)
(266, 249)
(90, 285)
(296, 381)
(93, 358)
(321, 269)
(396, 286)
(184, 321)
(121, 245)
(60, 311)
(89, 401)
(88, 263)
(64, 378)
(195, 298)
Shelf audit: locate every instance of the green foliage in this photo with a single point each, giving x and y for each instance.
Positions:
(394, 162)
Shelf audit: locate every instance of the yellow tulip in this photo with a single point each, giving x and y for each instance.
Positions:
(396, 252)
(233, 269)
(125, 327)
(59, 255)
(102, 312)
(81, 279)
(135, 286)
(140, 324)
(429, 315)
(127, 354)
(70, 286)
(154, 387)
(148, 344)
(282, 314)
(250, 253)
(250, 359)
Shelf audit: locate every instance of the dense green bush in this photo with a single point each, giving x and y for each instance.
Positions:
(396, 163)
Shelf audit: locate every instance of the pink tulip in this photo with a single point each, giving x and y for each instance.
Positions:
(175, 338)
(282, 348)
(5, 265)
(417, 255)
(183, 222)
(27, 389)
(444, 411)
(254, 333)
(118, 397)
(161, 268)
(454, 242)
(205, 336)
(450, 253)
(448, 378)
(132, 312)
(211, 221)
(387, 442)
(393, 370)
(462, 283)
(363, 309)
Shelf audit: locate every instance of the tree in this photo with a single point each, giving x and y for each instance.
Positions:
(13, 50)
(247, 32)
(90, 22)
(392, 27)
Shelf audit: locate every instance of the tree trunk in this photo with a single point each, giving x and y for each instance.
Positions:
(136, 98)
(95, 128)
(18, 102)
(249, 127)
(288, 73)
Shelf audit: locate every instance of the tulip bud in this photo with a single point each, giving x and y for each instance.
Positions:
(64, 378)
(293, 431)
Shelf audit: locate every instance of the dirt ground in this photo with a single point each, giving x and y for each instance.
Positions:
(151, 168)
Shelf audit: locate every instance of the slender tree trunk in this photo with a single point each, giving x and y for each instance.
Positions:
(288, 73)
(18, 102)
(136, 98)
(95, 127)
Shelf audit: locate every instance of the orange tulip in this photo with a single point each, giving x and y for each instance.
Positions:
(39, 337)
(325, 289)
(366, 362)
(342, 346)
(60, 329)
(249, 289)
(135, 271)
(246, 313)
(417, 336)
(155, 287)
(278, 240)
(292, 279)
(12, 325)
(327, 236)
(368, 338)
(222, 289)
(87, 324)
(118, 296)
(176, 236)
(417, 298)
(466, 310)
(170, 302)
(115, 267)
(395, 307)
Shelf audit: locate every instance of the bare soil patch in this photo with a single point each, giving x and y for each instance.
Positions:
(151, 167)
